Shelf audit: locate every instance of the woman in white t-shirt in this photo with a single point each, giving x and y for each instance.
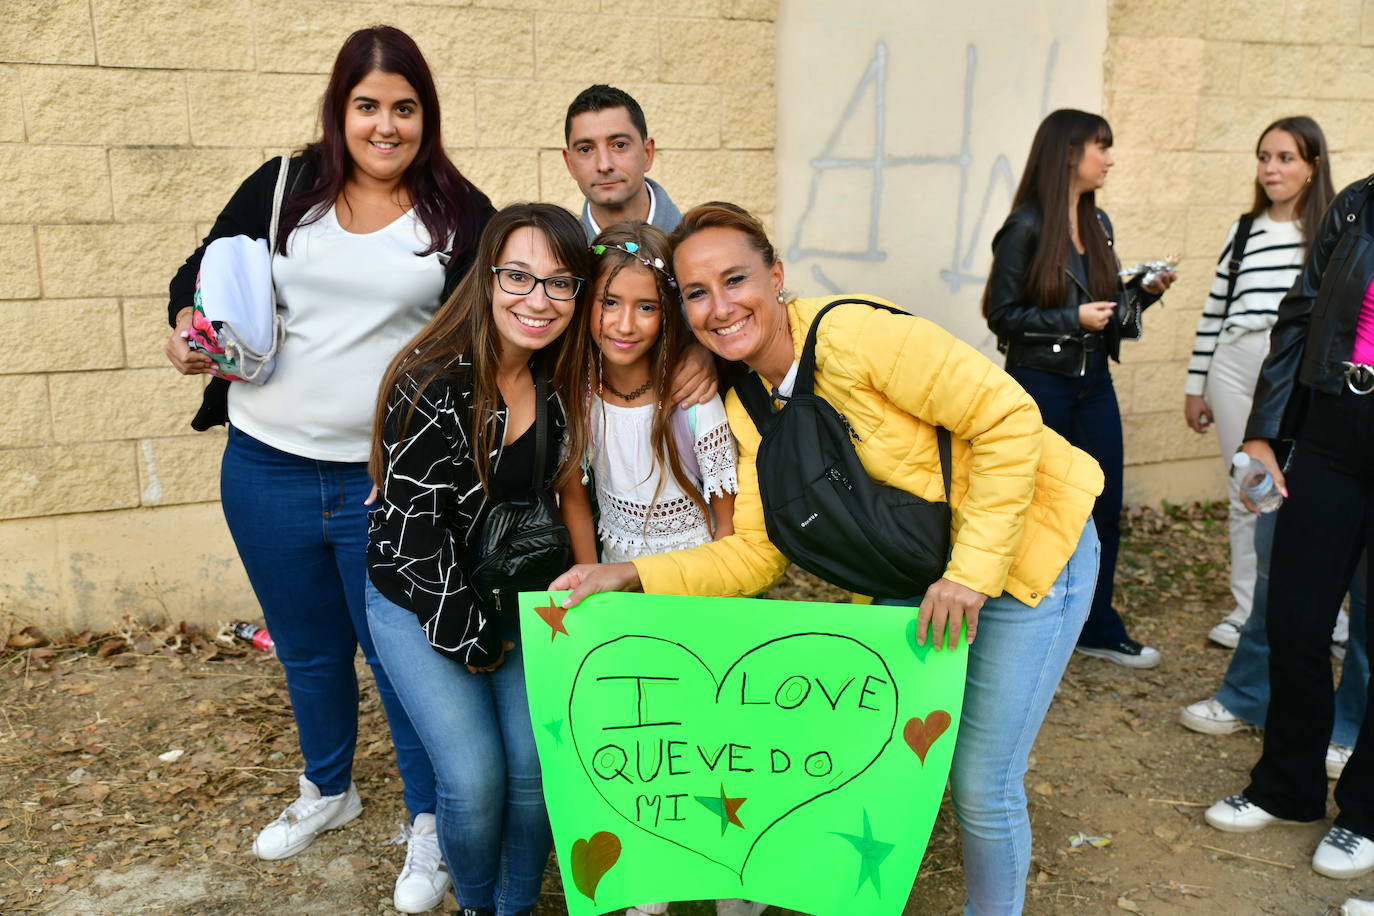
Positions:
(377, 227)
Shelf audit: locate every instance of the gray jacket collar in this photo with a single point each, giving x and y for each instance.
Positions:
(666, 215)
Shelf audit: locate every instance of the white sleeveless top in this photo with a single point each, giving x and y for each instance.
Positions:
(350, 301)
(634, 523)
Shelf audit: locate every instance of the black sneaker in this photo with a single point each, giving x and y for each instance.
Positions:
(1128, 652)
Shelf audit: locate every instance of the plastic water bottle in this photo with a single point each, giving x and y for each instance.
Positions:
(254, 635)
(1256, 482)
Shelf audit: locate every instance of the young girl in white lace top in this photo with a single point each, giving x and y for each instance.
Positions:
(664, 477)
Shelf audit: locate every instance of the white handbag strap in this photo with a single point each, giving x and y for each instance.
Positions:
(276, 216)
(232, 348)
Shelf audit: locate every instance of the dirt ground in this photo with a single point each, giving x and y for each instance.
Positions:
(99, 813)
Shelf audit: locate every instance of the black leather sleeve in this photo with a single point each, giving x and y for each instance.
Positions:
(1010, 313)
(1280, 370)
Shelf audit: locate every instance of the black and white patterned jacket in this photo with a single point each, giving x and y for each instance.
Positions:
(431, 501)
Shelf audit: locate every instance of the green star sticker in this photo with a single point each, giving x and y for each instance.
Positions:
(871, 854)
(723, 807)
(555, 728)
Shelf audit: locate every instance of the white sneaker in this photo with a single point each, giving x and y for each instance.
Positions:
(1226, 633)
(1357, 907)
(736, 907)
(304, 819)
(1209, 717)
(1343, 854)
(1237, 814)
(1337, 756)
(421, 884)
(647, 909)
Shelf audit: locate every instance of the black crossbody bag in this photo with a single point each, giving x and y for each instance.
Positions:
(522, 544)
(820, 506)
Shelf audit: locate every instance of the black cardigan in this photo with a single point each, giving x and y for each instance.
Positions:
(249, 212)
(430, 501)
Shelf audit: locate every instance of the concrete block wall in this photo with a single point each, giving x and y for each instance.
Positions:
(130, 124)
(1188, 86)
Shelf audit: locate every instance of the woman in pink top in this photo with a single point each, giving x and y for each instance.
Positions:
(1313, 398)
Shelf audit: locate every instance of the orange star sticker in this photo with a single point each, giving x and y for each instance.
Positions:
(553, 615)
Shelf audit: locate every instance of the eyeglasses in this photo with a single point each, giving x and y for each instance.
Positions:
(519, 282)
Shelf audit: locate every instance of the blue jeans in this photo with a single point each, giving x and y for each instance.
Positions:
(493, 828)
(301, 532)
(1245, 689)
(1084, 411)
(1014, 666)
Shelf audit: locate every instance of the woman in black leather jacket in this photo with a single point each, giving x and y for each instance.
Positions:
(1055, 301)
(1314, 390)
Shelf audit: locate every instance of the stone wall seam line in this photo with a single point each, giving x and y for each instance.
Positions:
(38, 265)
(109, 177)
(90, 21)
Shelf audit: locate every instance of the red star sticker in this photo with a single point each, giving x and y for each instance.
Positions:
(553, 615)
(731, 806)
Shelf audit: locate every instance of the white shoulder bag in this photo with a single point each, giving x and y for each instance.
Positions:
(236, 321)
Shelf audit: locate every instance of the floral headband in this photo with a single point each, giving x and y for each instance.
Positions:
(632, 249)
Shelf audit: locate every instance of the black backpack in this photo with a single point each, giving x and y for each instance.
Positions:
(821, 508)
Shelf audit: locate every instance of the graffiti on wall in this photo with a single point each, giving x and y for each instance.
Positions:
(966, 233)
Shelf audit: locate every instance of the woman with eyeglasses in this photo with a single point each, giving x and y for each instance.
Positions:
(456, 433)
(376, 227)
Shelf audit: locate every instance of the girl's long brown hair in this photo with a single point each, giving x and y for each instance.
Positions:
(463, 327)
(583, 364)
(1316, 195)
(1054, 156)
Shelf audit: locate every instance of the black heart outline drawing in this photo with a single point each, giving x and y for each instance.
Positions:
(592, 778)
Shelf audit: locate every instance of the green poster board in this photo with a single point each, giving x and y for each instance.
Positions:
(696, 748)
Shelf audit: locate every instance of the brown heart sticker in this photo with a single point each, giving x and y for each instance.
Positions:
(921, 735)
(591, 859)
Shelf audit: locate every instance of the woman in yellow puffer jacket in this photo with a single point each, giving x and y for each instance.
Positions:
(1023, 562)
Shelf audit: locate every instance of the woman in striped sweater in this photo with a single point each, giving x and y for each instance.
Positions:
(1292, 190)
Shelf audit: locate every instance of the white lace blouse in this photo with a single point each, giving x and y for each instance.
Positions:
(634, 523)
